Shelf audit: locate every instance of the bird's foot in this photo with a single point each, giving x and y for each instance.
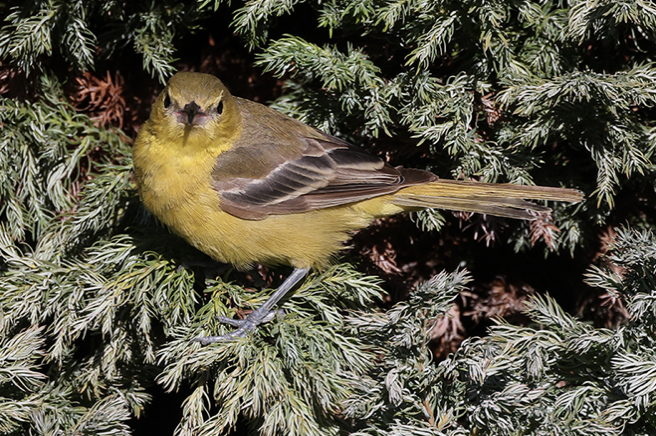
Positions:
(243, 326)
(263, 313)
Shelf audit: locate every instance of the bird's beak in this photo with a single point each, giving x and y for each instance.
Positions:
(192, 114)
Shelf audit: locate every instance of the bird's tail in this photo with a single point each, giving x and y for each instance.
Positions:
(506, 200)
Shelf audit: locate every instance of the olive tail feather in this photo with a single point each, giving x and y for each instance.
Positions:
(504, 200)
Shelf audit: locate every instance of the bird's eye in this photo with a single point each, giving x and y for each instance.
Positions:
(219, 108)
(167, 101)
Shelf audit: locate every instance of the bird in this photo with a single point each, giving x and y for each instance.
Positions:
(246, 184)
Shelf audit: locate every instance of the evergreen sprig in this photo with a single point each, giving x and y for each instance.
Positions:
(564, 376)
(98, 302)
(85, 31)
(290, 377)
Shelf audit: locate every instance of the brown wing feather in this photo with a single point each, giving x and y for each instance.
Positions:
(337, 177)
(298, 169)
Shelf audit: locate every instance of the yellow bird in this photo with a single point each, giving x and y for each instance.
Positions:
(245, 183)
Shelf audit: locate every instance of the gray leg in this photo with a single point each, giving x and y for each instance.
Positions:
(263, 314)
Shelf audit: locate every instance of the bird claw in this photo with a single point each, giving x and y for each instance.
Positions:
(239, 333)
(243, 326)
(230, 321)
(263, 314)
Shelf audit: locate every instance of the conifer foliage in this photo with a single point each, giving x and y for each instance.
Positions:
(99, 303)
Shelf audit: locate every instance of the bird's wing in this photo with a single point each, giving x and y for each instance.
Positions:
(298, 169)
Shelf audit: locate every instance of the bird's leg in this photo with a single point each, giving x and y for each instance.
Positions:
(261, 315)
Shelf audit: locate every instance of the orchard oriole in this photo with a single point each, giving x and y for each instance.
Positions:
(245, 183)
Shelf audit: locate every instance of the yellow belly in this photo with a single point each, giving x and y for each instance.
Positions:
(301, 240)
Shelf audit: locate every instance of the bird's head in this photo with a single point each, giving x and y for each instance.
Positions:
(197, 107)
